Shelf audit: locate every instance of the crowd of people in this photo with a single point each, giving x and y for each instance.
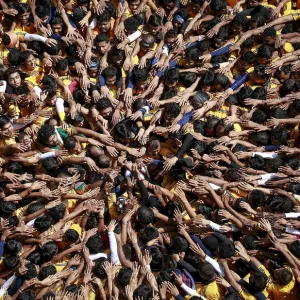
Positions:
(150, 149)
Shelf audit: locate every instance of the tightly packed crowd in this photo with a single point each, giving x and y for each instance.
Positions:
(150, 149)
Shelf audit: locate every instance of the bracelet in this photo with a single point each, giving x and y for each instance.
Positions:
(101, 217)
(125, 223)
(20, 291)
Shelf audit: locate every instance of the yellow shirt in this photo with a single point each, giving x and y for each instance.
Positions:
(211, 291)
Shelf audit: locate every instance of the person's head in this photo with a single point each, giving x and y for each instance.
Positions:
(124, 277)
(43, 12)
(73, 289)
(133, 5)
(223, 129)
(95, 244)
(153, 147)
(102, 43)
(269, 36)
(71, 236)
(149, 233)
(141, 76)
(218, 7)
(168, 4)
(207, 80)
(206, 271)
(246, 60)
(46, 272)
(23, 13)
(283, 74)
(258, 282)
(110, 76)
(43, 223)
(72, 145)
(294, 247)
(257, 198)
(220, 38)
(231, 296)
(12, 247)
(180, 16)
(180, 244)
(125, 131)
(272, 164)
(154, 24)
(31, 271)
(259, 75)
(145, 215)
(78, 14)
(280, 135)
(131, 25)
(157, 259)
(27, 295)
(47, 136)
(241, 267)
(117, 56)
(147, 43)
(226, 249)
(28, 60)
(57, 212)
(105, 108)
(13, 77)
(170, 38)
(6, 209)
(220, 83)
(259, 116)
(239, 24)
(199, 99)
(283, 276)
(142, 292)
(171, 78)
(57, 25)
(264, 54)
(49, 250)
(104, 22)
(172, 110)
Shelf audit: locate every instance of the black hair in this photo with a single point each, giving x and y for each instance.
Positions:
(218, 5)
(46, 272)
(95, 244)
(50, 164)
(180, 244)
(294, 187)
(157, 259)
(13, 57)
(272, 164)
(31, 271)
(258, 198)
(295, 248)
(258, 282)
(49, 250)
(284, 276)
(43, 223)
(27, 295)
(171, 75)
(142, 291)
(259, 116)
(44, 133)
(125, 129)
(58, 212)
(226, 249)
(242, 267)
(11, 261)
(145, 215)
(131, 24)
(72, 288)
(98, 269)
(12, 247)
(149, 233)
(124, 276)
(6, 209)
(172, 109)
(206, 271)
